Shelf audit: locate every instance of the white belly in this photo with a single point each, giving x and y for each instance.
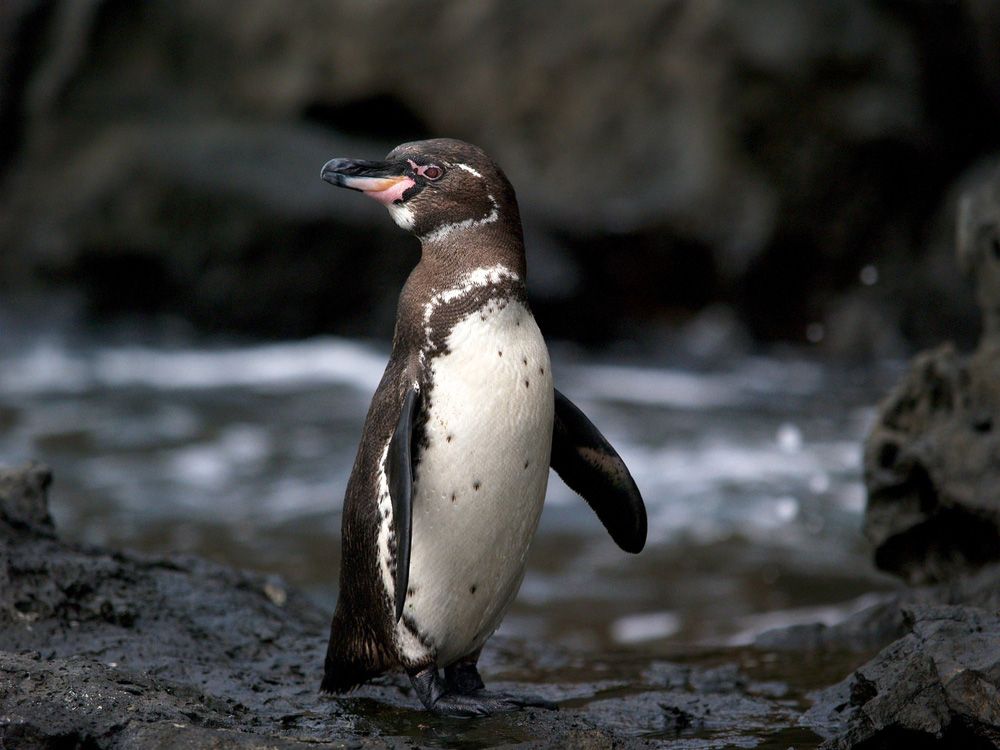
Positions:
(480, 483)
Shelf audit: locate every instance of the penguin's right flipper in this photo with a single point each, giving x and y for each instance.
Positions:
(399, 470)
(585, 461)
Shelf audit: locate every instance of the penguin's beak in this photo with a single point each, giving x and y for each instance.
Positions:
(384, 181)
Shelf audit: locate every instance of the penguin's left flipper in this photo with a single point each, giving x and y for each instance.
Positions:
(399, 469)
(587, 463)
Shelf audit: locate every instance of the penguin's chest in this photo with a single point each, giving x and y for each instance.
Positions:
(480, 480)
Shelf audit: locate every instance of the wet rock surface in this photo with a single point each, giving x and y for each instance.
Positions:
(104, 649)
(938, 686)
(931, 468)
(933, 515)
(887, 619)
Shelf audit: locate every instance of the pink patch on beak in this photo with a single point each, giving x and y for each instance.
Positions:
(392, 193)
(386, 190)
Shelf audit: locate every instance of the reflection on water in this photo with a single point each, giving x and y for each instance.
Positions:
(751, 477)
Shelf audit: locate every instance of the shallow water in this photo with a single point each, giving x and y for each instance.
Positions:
(241, 453)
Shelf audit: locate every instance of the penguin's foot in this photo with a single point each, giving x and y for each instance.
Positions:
(463, 678)
(496, 701)
(436, 696)
(487, 702)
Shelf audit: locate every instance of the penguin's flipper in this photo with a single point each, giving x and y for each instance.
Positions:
(399, 470)
(585, 461)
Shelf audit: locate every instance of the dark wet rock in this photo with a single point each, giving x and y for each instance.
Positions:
(865, 631)
(24, 500)
(164, 157)
(103, 649)
(703, 701)
(938, 686)
(934, 681)
(931, 469)
(930, 461)
(886, 620)
(934, 515)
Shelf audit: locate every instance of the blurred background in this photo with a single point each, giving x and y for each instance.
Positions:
(739, 217)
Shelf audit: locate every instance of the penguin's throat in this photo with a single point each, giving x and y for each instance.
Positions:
(445, 230)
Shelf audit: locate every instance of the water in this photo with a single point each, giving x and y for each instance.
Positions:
(751, 477)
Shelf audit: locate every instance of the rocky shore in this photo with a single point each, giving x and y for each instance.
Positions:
(114, 649)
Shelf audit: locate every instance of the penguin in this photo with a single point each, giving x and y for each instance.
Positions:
(449, 480)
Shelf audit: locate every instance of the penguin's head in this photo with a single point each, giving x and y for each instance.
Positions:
(434, 189)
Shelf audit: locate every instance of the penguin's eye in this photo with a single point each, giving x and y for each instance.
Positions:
(431, 171)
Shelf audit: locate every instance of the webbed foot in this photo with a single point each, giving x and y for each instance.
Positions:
(497, 701)
(466, 697)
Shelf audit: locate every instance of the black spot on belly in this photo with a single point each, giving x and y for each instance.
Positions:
(526, 464)
(476, 485)
(453, 496)
(499, 353)
(411, 591)
(526, 383)
(448, 439)
(541, 370)
(472, 589)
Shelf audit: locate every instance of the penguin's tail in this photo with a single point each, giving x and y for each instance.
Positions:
(353, 656)
(342, 675)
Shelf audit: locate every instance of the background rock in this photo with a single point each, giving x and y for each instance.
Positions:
(931, 459)
(24, 499)
(163, 157)
(930, 468)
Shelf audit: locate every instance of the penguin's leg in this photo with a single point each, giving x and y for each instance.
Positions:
(463, 678)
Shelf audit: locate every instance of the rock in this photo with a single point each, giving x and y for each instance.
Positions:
(885, 621)
(166, 157)
(938, 686)
(930, 469)
(114, 650)
(933, 679)
(866, 631)
(24, 502)
(930, 460)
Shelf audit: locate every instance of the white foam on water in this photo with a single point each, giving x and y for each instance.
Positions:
(51, 368)
(692, 467)
(648, 626)
(714, 480)
(683, 389)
